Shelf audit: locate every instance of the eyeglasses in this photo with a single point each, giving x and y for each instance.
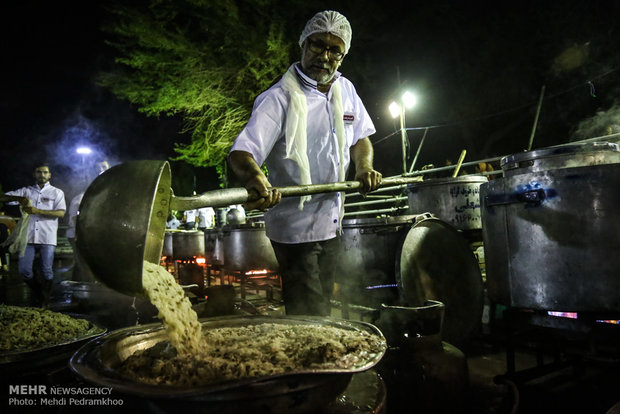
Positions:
(318, 48)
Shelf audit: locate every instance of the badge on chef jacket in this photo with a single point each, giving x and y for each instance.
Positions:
(348, 118)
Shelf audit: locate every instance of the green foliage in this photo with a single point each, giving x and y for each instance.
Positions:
(203, 59)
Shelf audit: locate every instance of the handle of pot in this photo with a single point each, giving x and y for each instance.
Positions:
(228, 196)
(530, 197)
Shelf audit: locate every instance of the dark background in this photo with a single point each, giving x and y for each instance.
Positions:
(478, 68)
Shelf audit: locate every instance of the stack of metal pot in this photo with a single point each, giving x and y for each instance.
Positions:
(551, 229)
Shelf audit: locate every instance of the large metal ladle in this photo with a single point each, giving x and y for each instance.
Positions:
(122, 217)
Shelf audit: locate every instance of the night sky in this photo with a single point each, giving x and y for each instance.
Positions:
(478, 68)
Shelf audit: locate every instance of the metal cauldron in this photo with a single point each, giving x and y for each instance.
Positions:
(167, 248)
(454, 200)
(294, 392)
(214, 252)
(551, 229)
(246, 247)
(187, 244)
(408, 260)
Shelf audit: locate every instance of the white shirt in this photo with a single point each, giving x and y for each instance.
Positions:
(173, 223)
(42, 229)
(263, 137)
(190, 216)
(206, 217)
(74, 206)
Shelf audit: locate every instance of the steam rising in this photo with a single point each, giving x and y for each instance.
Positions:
(602, 124)
(73, 169)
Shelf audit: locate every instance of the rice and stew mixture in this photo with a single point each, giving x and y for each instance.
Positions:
(24, 328)
(196, 359)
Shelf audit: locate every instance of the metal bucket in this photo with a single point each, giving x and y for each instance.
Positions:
(454, 200)
(551, 230)
(188, 244)
(247, 247)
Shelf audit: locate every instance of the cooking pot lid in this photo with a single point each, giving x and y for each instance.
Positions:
(513, 161)
(463, 179)
(436, 263)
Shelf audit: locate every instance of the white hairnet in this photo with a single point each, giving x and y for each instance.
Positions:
(329, 21)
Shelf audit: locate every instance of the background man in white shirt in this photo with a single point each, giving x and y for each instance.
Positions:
(306, 129)
(44, 204)
(206, 218)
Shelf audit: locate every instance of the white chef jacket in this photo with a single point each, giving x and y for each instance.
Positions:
(206, 217)
(42, 229)
(190, 216)
(263, 137)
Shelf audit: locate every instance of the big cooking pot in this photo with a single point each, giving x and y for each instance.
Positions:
(247, 247)
(167, 248)
(551, 229)
(407, 260)
(456, 200)
(214, 253)
(188, 243)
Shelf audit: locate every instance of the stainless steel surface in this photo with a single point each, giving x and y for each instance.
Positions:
(246, 247)
(407, 260)
(455, 200)
(97, 361)
(367, 259)
(404, 323)
(567, 156)
(552, 236)
(167, 247)
(437, 263)
(186, 244)
(122, 221)
(235, 217)
(214, 252)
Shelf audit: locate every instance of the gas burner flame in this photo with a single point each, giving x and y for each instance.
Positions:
(380, 286)
(257, 272)
(575, 315)
(570, 315)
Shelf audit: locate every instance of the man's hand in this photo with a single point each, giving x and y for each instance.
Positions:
(30, 209)
(370, 179)
(246, 169)
(260, 186)
(362, 156)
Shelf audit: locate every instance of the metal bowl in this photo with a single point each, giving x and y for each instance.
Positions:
(97, 362)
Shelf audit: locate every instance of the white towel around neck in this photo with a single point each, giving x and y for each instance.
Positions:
(296, 128)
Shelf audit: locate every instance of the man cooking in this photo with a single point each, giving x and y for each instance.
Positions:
(306, 129)
(42, 205)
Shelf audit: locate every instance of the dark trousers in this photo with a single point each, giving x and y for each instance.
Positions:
(307, 271)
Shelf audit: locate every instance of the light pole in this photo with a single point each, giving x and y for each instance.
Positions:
(407, 101)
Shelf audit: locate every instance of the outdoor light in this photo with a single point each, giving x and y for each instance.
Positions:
(408, 101)
(394, 109)
(83, 150)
